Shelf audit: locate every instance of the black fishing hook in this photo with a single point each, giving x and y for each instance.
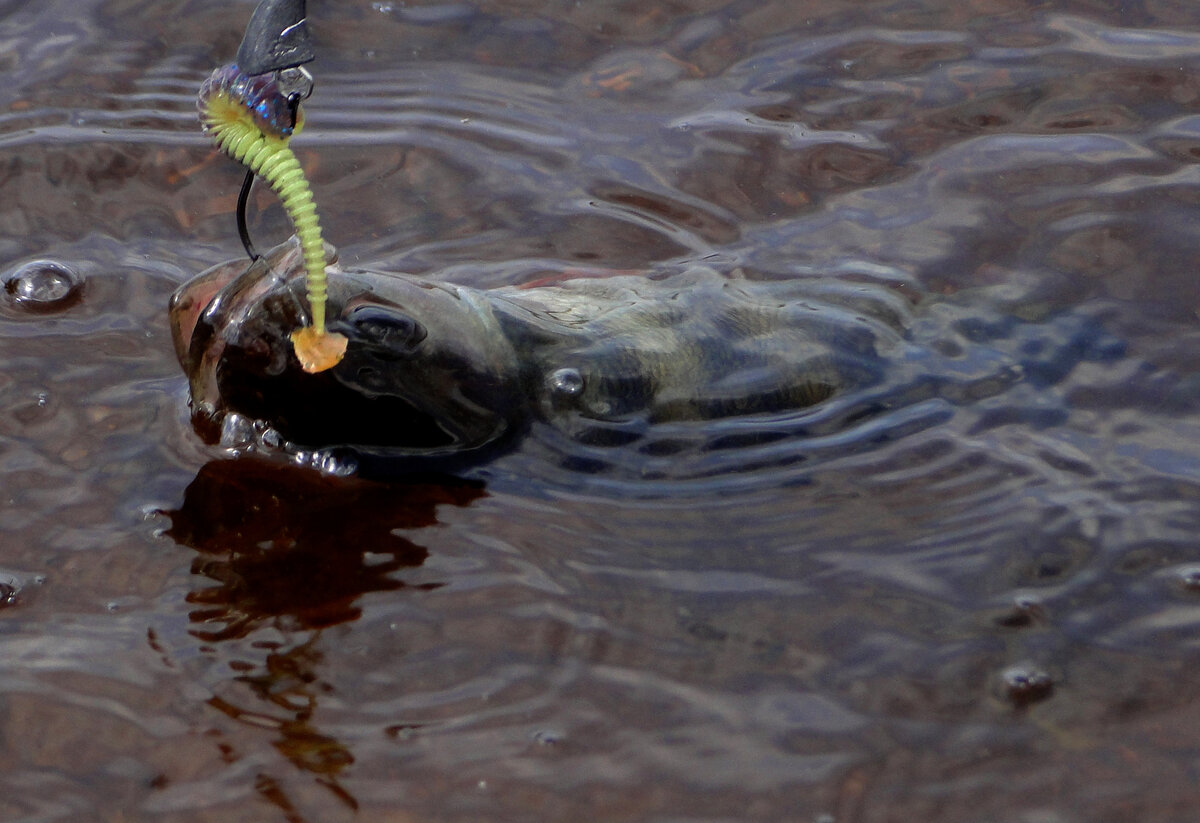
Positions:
(243, 229)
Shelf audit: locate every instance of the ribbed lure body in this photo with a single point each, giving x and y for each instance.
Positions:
(250, 120)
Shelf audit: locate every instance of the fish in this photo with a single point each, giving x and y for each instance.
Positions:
(438, 376)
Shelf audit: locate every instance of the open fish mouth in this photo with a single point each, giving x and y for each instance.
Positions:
(402, 391)
(209, 316)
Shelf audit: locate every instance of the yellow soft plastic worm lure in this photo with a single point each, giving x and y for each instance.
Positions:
(251, 120)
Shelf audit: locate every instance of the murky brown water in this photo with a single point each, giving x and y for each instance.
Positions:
(969, 610)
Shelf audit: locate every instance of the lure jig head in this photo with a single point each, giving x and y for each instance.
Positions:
(276, 38)
(251, 116)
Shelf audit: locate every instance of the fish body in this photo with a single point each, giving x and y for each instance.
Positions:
(436, 373)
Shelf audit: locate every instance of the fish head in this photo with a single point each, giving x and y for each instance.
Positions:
(427, 370)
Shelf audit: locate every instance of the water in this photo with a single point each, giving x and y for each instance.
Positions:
(986, 614)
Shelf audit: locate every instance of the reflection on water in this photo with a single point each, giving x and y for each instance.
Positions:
(294, 546)
(294, 551)
(980, 603)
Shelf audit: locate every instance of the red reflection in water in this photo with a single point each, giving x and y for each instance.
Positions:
(290, 544)
(291, 548)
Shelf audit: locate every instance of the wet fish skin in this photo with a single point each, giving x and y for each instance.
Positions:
(695, 346)
(435, 370)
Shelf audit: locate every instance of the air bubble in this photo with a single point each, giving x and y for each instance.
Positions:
(403, 731)
(1026, 610)
(1024, 684)
(270, 438)
(10, 593)
(1189, 578)
(237, 431)
(44, 285)
(566, 382)
(546, 737)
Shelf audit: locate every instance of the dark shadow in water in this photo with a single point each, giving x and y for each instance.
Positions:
(293, 549)
(291, 546)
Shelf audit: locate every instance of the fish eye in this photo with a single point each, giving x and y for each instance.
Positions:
(386, 328)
